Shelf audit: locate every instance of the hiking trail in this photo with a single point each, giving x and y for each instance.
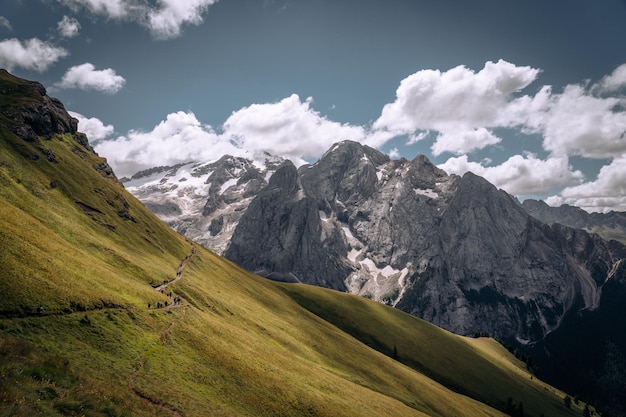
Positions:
(164, 336)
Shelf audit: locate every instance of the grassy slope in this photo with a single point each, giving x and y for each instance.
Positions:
(239, 345)
(480, 368)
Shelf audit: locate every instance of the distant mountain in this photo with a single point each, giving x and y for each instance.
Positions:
(453, 250)
(611, 225)
(85, 330)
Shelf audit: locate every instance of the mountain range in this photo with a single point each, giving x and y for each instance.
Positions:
(107, 311)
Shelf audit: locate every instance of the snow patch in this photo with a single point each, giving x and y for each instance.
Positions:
(428, 192)
(227, 185)
(353, 255)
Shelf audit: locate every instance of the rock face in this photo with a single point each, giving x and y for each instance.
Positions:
(610, 225)
(204, 201)
(35, 114)
(453, 250)
(27, 111)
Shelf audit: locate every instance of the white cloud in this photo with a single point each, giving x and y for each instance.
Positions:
(394, 153)
(68, 27)
(417, 137)
(166, 21)
(520, 175)
(578, 123)
(4, 22)
(289, 128)
(607, 192)
(456, 100)
(92, 127)
(613, 82)
(164, 18)
(33, 54)
(178, 138)
(464, 141)
(86, 77)
(109, 8)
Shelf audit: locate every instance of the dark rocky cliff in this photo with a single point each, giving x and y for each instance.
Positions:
(27, 111)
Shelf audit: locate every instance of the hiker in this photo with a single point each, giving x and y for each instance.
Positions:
(40, 310)
(148, 305)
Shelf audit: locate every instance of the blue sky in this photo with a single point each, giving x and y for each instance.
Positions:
(530, 95)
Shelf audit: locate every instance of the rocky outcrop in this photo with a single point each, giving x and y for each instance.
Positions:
(288, 229)
(34, 114)
(28, 112)
(453, 250)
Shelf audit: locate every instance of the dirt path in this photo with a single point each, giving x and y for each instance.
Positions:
(181, 268)
(164, 340)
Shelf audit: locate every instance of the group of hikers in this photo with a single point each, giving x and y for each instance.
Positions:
(176, 300)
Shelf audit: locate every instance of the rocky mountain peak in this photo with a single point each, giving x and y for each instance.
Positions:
(204, 200)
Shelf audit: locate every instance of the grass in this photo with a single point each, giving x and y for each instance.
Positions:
(239, 345)
(480, 368)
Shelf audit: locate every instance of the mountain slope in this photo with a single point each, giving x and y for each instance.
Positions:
(80, 333)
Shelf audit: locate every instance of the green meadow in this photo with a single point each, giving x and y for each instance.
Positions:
(80, 334)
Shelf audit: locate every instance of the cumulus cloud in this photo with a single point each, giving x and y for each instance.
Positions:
(68, 27)
(290, 128)
(458, 103)
(33, 54)
(464, 142)
(576, 122)
(394, 153)
(92, 127)
(179, 138)
(613, 82)
(607, 192)
(86, 77)
(4, 22)
(166, 21)
(163, 18)
(109, 8)
(520, 174)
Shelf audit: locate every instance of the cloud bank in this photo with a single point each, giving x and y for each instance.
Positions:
(289, 128)
(179, 138)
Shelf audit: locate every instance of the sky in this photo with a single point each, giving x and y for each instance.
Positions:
(529, 94)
